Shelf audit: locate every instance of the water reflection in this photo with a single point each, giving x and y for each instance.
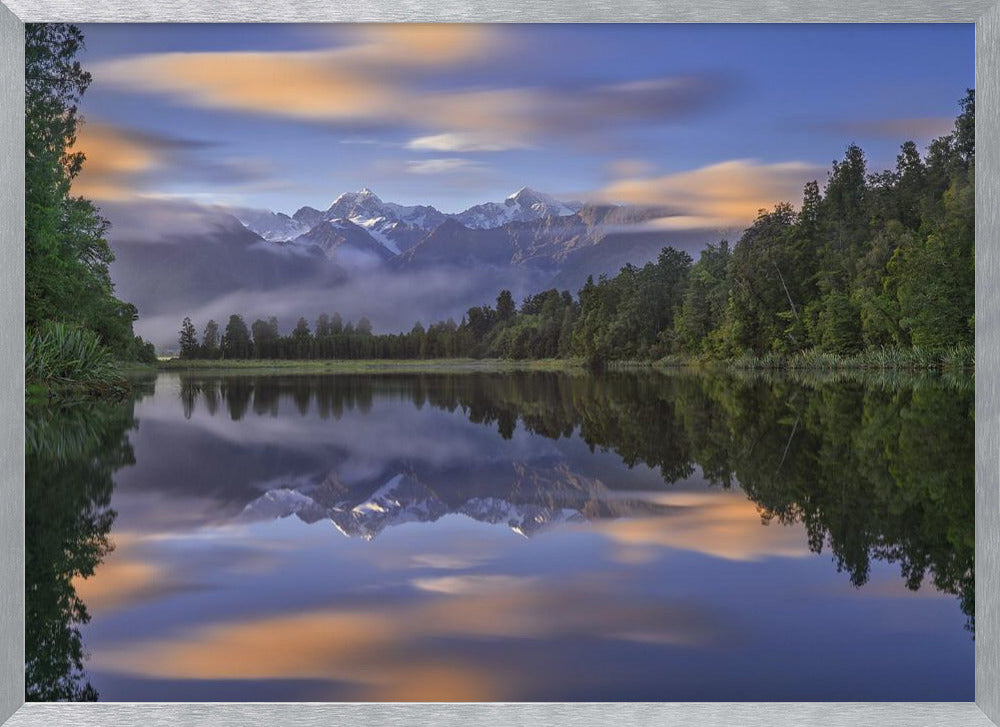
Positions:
(875, 469)
(669, 526)
(71, 453)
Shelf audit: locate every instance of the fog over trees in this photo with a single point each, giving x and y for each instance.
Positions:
(872, 261)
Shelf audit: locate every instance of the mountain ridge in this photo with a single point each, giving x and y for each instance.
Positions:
(566, 240)
(394, 221)
(424, 264)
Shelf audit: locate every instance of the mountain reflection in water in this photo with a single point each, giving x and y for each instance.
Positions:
(670, 527)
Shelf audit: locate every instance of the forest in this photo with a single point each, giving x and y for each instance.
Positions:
(878, 266)
(76, 330)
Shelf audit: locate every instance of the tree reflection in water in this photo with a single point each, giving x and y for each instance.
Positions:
(875, 466)
(71, 453)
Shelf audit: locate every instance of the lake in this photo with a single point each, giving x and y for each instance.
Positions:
(504, 537)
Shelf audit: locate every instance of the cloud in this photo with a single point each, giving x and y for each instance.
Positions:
(443, 561)
(471, 584)
(392, 300)
(517, 117)
(389, 652)
(895, 129)
(113, 157)
(620, 168)
(129, 576)
(377, 79)
(468, 141)
(159, 220)
(122, 583)
(726, 194)
(127, 164)
(356, 81)
(721, 525)
(441, 166)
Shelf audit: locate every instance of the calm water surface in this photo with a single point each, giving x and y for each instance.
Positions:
(530, 536)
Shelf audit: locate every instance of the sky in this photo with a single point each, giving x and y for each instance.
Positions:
(715, 120)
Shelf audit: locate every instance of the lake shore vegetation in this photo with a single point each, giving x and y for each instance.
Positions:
(873, 271)
(76, 330)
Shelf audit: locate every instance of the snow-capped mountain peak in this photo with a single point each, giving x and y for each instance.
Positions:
(524, 205)
(273, 227)
(527, 194)
(530, 501)
(363, 195)
(542, 204)
(399, 227)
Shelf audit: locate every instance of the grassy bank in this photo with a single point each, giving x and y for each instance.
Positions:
(956, 360)
(441, 365)
(67, 362)
(959, 360)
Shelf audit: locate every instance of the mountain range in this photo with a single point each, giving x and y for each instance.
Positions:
(566, 240)
(398, 227)
(525, 498)
(261, 262)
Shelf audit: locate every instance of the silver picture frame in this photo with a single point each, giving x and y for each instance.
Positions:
(986, 708)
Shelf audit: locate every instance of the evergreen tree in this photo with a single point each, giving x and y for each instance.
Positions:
(210, 340)
(323, 326)
(188, 339)
(505, 306)
(236, 339)
(66, 254)
(336, 324)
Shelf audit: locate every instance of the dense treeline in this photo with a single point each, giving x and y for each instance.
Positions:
(542, 328)
(873, 261)
(69, 296)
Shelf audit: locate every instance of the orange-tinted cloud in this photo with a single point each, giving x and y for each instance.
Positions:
(723, 525)
(376, 80)
(391, 652)
(120, 583)
(727, 194)
(113, 158)
(124, 164)
(358, 81)
(124, 578)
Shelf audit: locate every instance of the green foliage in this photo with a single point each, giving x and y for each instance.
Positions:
(875, 270)
(188, 339)
(935, 274)
(236, 339)
(71, 453)
(65, 356)
(885, 358)
(210, 340)
(631, 316)
(705, 301)
(66, 253)
(762, 312)
(541, 329)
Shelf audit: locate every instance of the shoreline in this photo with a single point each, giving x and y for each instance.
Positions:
(873, 362)
(354, 366)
